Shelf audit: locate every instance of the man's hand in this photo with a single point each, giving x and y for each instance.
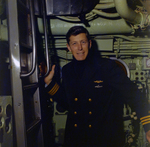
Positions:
(43, 70)
(50, 76)
(148, 136)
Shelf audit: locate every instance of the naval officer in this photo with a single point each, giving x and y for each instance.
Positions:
(93, 91)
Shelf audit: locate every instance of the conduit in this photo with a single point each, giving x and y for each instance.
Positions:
(127, 13)
(89, 16)
(124, 54)
(105, 1)
(146, 4)
(105, 6)
(97, 26)
(99, 12)
(133, 39)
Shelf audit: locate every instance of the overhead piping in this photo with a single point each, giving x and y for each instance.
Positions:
(99, 12)
(146, 4)
(127, 13)
(105, 6)
(98, 26)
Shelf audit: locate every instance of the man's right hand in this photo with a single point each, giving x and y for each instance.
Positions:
(43, 69)
(50, 76)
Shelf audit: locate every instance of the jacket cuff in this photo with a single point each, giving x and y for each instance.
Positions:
(145, 122)
(52, 88)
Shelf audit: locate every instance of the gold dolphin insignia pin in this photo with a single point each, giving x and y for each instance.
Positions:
(98, 81)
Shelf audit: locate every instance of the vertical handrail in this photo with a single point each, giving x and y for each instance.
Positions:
(33, 42)
(46, 42)
(19, 126)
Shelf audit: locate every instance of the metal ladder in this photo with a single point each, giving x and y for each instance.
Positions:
(24, 75)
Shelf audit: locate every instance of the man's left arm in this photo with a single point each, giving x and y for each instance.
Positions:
(131, 95)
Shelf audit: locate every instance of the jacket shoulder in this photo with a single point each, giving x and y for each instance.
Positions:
(105, 62)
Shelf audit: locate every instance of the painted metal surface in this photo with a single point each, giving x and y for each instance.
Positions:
(15, 73)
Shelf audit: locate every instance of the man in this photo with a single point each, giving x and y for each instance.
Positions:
(93, 91)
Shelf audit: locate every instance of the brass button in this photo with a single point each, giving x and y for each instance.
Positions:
(75, 125)
(90, 99)
(90, 126)
(90, 112)
(75, 112)
(76, 99)
(51, 99)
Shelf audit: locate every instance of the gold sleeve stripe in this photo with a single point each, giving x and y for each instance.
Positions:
(50, 92)
(146, 123)
(54, 89)
(145, 120)
(145, 117)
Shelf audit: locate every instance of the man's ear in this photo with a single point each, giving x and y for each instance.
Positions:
(68, 47)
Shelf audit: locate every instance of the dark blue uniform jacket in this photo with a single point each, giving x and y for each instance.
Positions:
(94, 99)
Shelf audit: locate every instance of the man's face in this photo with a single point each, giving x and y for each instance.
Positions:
(79, 45)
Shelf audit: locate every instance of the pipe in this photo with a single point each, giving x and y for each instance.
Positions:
(146, 4)
(97, 26)
(133, 39)
(132, 47)
(128, 42)
(71, 19)
(105, 1)
(110, 15)
(105, 6)
(76, 19)
(124, 54)
(127, 13)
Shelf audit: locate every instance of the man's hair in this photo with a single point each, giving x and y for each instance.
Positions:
(75, 30)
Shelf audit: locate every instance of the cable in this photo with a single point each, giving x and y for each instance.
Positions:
(110, 15)
(105, 6)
